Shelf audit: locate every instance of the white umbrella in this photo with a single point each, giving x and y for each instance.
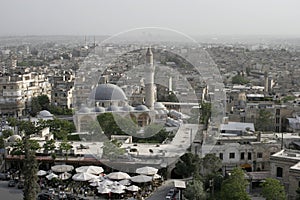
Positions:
(117, 185)
(125, 182)
(146, 170)
(62, 168)
(90, 169)
(83, 177)
(64, 176)
(104, 190)
(117, 190)
(107, 182)
(96, 184)
(96, 179)
(141, 179)
(118, 175)
(41, 173)
(133, 188)
(51, 176)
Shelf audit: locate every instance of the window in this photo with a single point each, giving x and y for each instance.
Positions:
(259, 155)
(221, 156)
(231, 155)
(249, 156)
(242, 155)
(4, 86)
(279, 172)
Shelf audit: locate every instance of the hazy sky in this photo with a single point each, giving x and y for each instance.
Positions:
(194, 17)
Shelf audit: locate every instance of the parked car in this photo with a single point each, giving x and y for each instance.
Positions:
(20, 185)
(45, 196)
(11, 183)
(3, 176)
(171, 194)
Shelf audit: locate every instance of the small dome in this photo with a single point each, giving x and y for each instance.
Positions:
(127, 108)
(108, 92)
(113, 108)
(141, 108)
(99, 109)
(159, 105)
(84, 110)
(14, 138)
(45, 113)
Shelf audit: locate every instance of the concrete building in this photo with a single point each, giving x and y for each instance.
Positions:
(17, 90)
(62, 92)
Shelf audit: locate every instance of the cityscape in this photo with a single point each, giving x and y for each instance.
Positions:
(150, 112)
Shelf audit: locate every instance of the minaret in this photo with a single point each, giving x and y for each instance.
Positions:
(149, 80)
(266, 82)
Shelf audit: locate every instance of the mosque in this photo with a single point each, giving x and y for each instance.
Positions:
(110, 98)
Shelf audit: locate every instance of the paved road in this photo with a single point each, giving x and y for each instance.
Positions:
(162, 191)
(10, 193)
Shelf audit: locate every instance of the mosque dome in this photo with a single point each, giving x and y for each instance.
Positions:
(99, 109)
(84, 109)
(113, 108)
(127, 108)
(108, 92)
(45, 113)
(14, 138)
(159, 105)
(141, 108)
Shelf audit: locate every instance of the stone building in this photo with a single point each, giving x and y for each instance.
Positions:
(285, 166)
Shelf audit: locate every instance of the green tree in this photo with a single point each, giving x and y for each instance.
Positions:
(65, 146)
(44, 101)
(273, 190)
(264, 121)
(238, 79)
(211, 164)
(2, 142)
(31, 187)
(7, 133)
(35, 106)
(112, 151)
(59, 127)
(205, 113)
(234, 187)
(49, 146)
(195, 190)
(188, 165)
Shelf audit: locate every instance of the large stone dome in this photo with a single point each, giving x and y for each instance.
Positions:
(108, 92)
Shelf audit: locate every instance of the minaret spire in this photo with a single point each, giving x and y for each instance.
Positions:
(149, 80)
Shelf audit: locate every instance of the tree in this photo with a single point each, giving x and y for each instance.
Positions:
(264, 121)
(7, 133)
(238, 79)
(35, 106)
(44, 101)
(234, 187)
(211, 164)
(205, 113)
(112, 151)
(194, 190)
(65, 146)
(273, 190)
(188, 165)
(49, 145)
(2, 142)
(31, 187)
